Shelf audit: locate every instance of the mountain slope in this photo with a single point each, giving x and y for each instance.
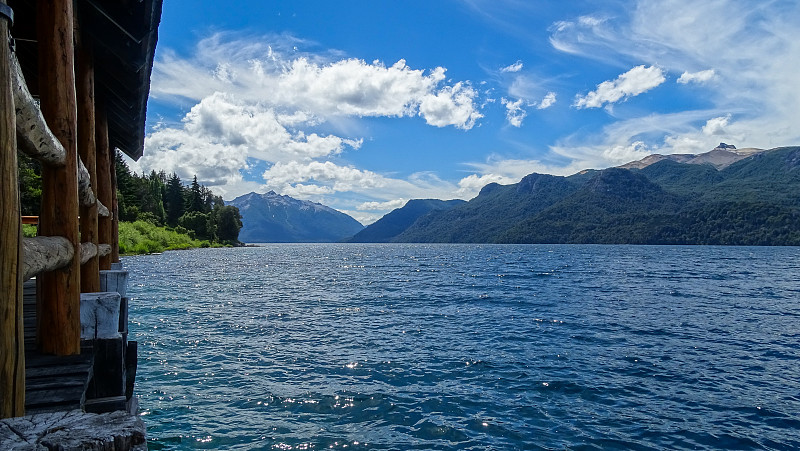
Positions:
(493, 211)
(272, 218)
(750, 198)
(398, 220)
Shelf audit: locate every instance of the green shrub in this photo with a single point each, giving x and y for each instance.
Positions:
(141, 237)
(29, 230)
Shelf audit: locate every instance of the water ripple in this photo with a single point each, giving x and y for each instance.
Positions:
(468, 347)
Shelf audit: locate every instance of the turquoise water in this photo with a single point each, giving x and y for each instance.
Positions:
(468, 347)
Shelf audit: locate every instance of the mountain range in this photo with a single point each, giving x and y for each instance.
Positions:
(272, 218)
(400, 219)
(725, 196)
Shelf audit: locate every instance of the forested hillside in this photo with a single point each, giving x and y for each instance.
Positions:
(753, 201)
(158, 199)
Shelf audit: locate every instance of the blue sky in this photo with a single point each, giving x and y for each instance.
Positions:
(362, 105)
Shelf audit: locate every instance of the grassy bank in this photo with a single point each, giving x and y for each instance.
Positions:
(142, 237)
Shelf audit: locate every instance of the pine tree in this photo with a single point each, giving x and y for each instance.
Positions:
(173, 200)
(195, 201)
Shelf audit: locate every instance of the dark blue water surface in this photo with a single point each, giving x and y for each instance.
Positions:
(468, 347)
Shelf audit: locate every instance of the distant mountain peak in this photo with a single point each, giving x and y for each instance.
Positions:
(272, 217)
(720, 157)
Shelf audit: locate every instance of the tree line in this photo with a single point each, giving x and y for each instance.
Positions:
(158, 198)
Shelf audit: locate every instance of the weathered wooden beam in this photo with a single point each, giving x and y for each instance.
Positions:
(12, 334)
(45, 253)
(104, 186)
(102, 210)
(35, 139)
(103, 250)
(48, 253)
(84, 85)
(88, 252)
(58, 307)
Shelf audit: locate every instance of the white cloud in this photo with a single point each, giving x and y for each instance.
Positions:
(218, 134)
(388, 205)
(717, 126)
(321, 86)
(516, 67)
(472, 184)
(697, 77)
(548, 101)
(636, 81)
(338, 178)
(514, 111)
(753, 49)
(256, 101)
(452, 105)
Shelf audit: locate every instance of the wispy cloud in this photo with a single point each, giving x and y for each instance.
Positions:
(516, 67)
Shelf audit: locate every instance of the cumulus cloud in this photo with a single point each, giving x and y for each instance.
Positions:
(514, 111)
(452, 105)
(636, 81)
(313, 84)
(219, 134)
(261, 101)
(697, 77)
(548, 101)
(516, 67)
(717, 126)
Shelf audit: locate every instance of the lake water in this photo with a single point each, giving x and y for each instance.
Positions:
(348, 346)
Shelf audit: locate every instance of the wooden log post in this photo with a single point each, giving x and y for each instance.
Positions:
(84, 84)
(12, 335)
(58, 306)
(104, 186)
(114, 213)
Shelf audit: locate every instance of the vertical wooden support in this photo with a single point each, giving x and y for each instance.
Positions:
(84, 85)
(12, 334)
(104, 186)
(114, 212)
(58, 307)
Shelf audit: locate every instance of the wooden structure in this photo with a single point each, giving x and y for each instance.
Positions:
(74, 82)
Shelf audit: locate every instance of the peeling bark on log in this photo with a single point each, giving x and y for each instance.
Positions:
(45, 253)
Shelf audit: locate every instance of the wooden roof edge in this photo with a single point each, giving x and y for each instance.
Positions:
(135, 149)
